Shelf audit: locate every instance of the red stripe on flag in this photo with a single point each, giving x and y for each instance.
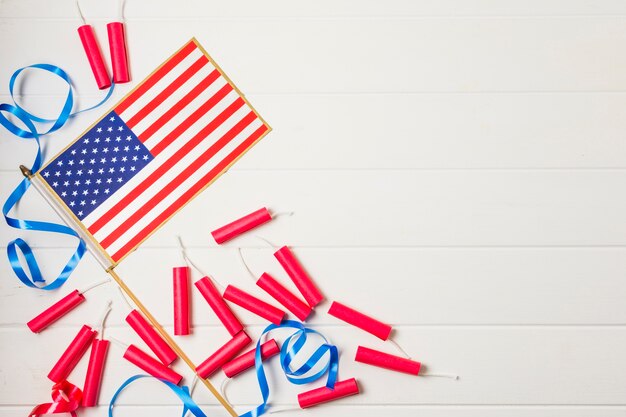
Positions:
(193, 118)
(154, 78)
(167, 91)
(176, 108)
(178, 180)
(188, 195)
(158, 173)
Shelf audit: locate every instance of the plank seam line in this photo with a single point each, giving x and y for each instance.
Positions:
(493, 326)
(453, 405)
(6, 171)
(372, 247)
(378, 93)
(291, 18)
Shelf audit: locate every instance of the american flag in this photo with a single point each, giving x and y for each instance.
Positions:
(159, 147)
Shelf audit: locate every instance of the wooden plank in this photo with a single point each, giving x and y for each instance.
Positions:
(362, 55)
(452, 286)
(494, 364)
(406, 131)
(65, 9)
(400, 208)
(338, 410)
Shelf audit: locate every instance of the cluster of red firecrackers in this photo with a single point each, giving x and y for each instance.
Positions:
(225, 357)
(117, 47)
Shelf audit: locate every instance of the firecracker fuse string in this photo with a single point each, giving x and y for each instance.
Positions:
(191, 389)
(190, 263)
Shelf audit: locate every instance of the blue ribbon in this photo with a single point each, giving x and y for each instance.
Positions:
(28, 119)
(291, 347)
(182, 392)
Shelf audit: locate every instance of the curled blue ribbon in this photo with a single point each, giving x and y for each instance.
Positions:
(182, 392)
(291, 347)
(28, 119)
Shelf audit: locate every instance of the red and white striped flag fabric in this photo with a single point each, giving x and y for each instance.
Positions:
(158, 148)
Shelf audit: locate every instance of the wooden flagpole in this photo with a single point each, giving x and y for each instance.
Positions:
(94, 250)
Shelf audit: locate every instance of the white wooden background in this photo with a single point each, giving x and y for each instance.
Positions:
(456, 168)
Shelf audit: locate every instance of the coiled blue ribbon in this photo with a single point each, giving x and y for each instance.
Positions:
(28, 119)
(182, 392)
(291, 347)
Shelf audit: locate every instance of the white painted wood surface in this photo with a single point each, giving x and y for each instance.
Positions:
(456, 168)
